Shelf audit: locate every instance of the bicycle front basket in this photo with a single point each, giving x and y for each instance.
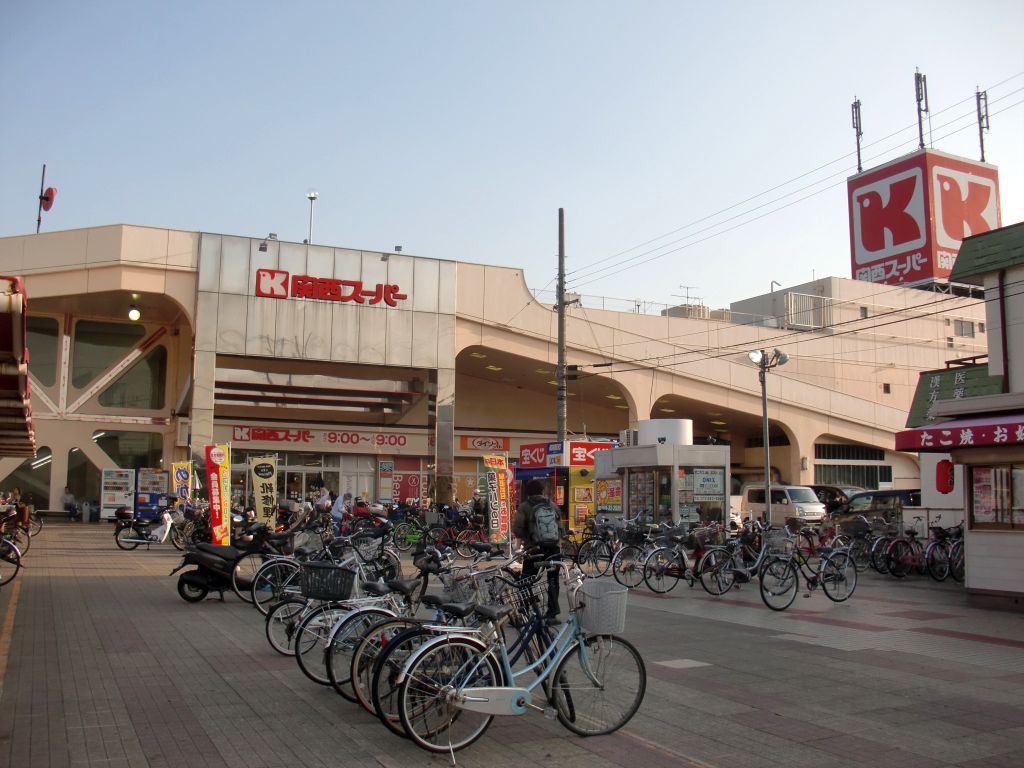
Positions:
(779, 543)
(602, 607)
(326, 581)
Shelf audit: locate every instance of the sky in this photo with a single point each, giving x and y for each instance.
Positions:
(707, 142)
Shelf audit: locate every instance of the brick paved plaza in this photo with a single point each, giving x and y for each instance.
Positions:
(102, 664)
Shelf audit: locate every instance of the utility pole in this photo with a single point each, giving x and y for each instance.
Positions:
(560, 299)
(982, 98)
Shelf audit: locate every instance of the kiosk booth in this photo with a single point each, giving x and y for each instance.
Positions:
(566, 470)
(668, 480)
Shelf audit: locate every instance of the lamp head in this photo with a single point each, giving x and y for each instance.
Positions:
(134, 314)
(756, 356)
(311, 195)
(781, 358)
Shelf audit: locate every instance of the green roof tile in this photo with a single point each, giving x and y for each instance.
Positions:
(987, 253)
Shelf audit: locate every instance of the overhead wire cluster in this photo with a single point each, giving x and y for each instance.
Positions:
(718, 223)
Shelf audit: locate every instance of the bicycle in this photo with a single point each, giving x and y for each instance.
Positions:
(835, 573)
(454, 685)
(10, 560)
(17, 533)
(908, 552)
(739, 559)
(415, 530)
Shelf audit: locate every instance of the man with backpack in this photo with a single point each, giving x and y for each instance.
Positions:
(538, 524)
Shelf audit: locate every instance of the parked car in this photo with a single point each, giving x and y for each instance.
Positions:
(887, 504)
(835, 496)
(795, 504)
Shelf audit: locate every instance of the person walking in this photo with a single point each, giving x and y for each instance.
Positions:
(68, 502)
(538, 525)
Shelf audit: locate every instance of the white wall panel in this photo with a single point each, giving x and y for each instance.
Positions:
(447, 284)
(231, 323)
(425, 288)
(261, 326)
(206, 321)
(293, 259)
(259, 260)
(320, 261)
(234, 265)
(446, 341)
(400, 273)
(348, 265)
(317, 326)
(209, 263)
(372, 334)
(345, 333)
(374, 270)
(424, 339)
(290, 340)
(399, 344)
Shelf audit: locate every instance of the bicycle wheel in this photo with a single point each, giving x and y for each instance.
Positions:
(879, 559)
(860, 551)
(837, 575)
(440, 537)
(899, 558)
(275, 580)
(465, 540)
(917, 552)
(594, 557)
(429, 714)
(282, 620)
(716, 574)
(779, 584)
(344, 639)
(35, 523)
(568, 548)
(245, 570)
(311, 637)
(405, 536)
(805, 545)
(386, 671)
(662, 569)
(10, 560)
(121, 538)
(957, 564)
(628, 566)
(937, 560)
(599, 685)
(365, 656)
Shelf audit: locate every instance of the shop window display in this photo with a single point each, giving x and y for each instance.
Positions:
(997, 497)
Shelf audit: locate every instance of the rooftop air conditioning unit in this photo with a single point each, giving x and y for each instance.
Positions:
(629, 437)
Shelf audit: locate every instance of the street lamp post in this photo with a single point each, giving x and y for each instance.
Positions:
(765, 361)
(311, 196)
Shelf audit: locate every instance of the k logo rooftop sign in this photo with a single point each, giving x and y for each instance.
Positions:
(908, 218)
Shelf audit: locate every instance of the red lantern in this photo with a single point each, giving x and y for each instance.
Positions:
(944, 476)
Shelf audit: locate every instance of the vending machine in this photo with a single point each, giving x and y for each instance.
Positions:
(150, 493)
(118, 490)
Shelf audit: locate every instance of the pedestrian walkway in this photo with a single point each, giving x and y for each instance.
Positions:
(107, 666)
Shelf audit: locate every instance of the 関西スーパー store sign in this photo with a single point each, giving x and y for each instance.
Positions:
(332, 440)
(278, 284)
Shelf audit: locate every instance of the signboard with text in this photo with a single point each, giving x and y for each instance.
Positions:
(908, 217)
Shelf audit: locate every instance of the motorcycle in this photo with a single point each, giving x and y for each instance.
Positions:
(130, 531)
(219, 569)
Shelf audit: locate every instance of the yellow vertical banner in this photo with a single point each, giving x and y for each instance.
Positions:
(218, 485)
(181, 481)
(498, 502)
(264, 487)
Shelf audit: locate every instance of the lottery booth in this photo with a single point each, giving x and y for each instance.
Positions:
(566, 470)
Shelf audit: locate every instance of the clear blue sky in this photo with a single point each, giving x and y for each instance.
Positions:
(457, 129)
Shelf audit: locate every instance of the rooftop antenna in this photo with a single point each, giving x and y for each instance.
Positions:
(982, 99)
(686, 298)
(858, 131)
(921, 89)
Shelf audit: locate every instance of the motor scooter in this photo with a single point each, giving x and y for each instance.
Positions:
(130, 531)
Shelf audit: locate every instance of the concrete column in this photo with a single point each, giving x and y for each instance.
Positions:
(203, 372)
(444, 434)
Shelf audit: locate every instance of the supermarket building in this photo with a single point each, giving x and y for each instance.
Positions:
(392, 375)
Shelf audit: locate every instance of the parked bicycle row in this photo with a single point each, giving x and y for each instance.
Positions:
(16, 532)
(438, 667)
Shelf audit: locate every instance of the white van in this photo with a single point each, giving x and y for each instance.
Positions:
(796, 503)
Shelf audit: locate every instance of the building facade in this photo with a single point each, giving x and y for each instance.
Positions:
(391, 375)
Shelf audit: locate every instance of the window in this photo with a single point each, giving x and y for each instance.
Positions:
(41, 340)
(141, 386)
(949, 342)
(843, 452)
(863, 313)
(83, 478)
(997, 497)
(131, 450)
(861, 475)
(963, 328)
(887, 388)
(981, 327)
(97, 346)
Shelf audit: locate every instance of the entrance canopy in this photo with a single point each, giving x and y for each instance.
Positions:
(987, 431)
(17, 436)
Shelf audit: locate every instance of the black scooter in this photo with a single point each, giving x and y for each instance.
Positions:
(217, 568)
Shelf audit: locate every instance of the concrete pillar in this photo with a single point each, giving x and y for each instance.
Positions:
(203, 372)
(444, 434)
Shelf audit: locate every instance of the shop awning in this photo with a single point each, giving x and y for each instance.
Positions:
(981, 432)
(17, 436)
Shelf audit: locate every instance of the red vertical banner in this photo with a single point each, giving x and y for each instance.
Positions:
(498, 500)
(218, 485)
